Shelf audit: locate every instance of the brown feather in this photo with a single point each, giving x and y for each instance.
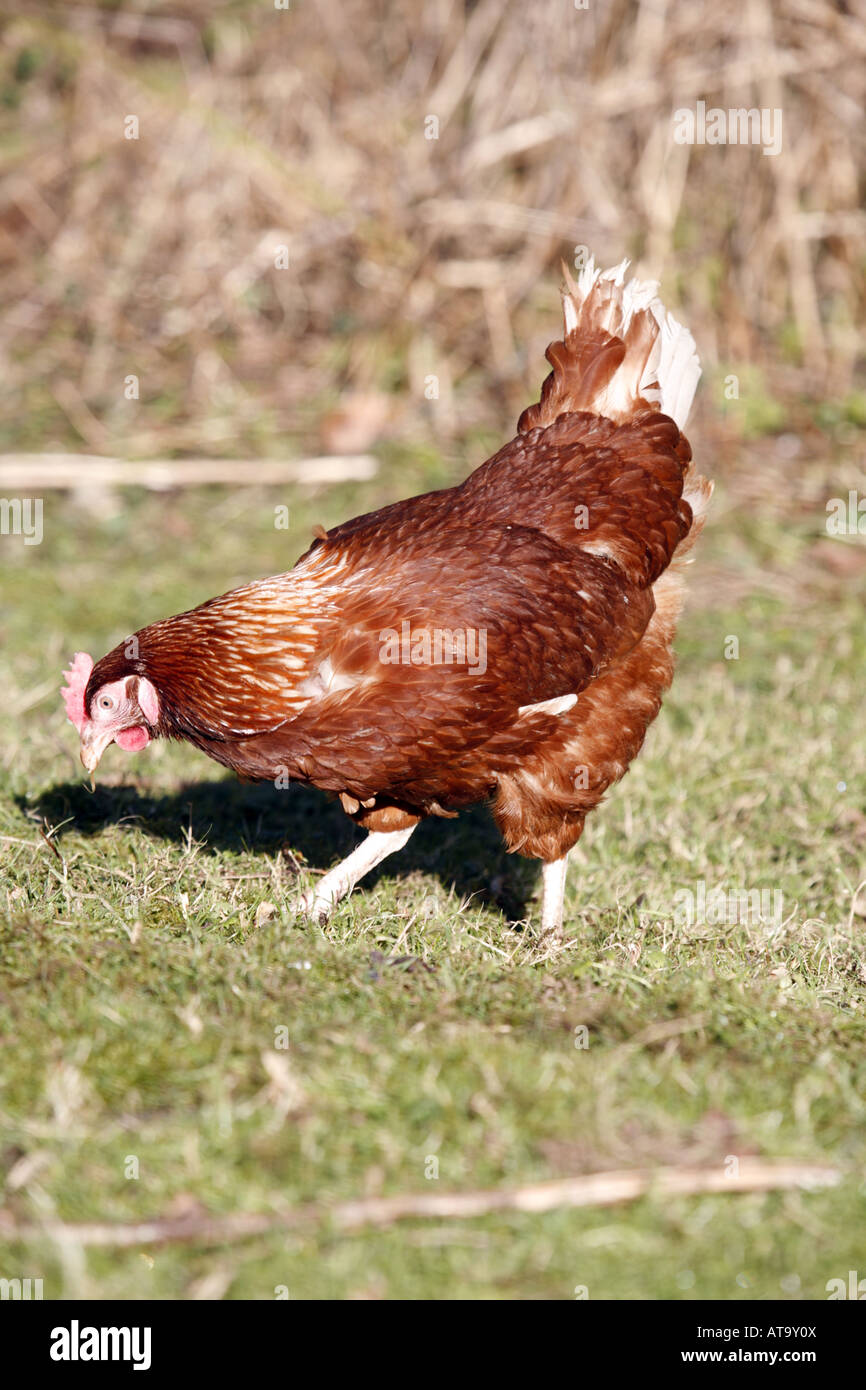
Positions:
(564, 552)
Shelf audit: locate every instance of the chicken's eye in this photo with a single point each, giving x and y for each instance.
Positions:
(105, 702)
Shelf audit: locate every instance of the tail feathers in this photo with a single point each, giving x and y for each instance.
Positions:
(621, 349)
(678, 369)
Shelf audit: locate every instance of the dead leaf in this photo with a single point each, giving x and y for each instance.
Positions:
(264, 912)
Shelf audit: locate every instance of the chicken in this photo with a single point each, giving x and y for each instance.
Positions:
(507, 640)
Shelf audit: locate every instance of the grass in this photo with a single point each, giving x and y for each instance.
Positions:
(145, 991)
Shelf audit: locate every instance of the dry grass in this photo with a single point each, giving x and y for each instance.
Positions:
(407, 256)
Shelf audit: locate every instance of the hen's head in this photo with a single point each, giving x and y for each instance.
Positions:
(114, 711)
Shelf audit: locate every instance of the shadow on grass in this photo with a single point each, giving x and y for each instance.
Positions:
(235, 817)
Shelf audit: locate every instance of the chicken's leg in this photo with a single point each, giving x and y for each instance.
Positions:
(318, 901)
(553, 893)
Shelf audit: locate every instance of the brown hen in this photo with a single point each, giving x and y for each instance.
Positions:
(505, 640)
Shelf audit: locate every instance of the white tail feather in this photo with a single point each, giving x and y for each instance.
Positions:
(672, 369)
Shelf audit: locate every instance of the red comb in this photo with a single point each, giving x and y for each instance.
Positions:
(73, 691)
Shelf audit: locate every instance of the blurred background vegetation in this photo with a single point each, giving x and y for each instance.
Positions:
(307, 128)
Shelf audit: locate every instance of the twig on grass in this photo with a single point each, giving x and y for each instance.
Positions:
(589, 1190)
(19, 472)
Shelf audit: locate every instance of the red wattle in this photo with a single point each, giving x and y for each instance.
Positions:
(133, 740)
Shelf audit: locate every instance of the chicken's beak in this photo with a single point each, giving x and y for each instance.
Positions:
(93, 744)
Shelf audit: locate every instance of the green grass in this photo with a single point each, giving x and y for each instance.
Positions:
(142, 998)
